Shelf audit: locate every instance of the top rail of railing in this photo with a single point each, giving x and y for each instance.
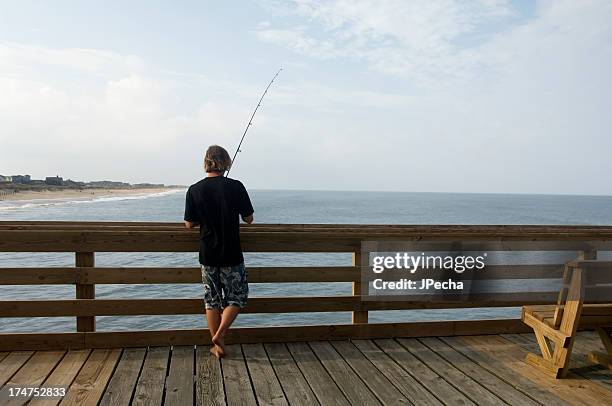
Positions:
(59, 236)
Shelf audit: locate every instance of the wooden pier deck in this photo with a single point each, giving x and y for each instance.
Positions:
(466, 370)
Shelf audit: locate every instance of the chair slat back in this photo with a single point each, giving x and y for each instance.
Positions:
(567, 275)
(573, 302)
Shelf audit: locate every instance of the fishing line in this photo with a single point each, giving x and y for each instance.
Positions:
(251, 121)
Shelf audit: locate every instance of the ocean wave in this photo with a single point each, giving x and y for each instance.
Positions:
(27, 204)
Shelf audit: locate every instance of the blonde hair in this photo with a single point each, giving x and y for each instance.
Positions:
(217, 159)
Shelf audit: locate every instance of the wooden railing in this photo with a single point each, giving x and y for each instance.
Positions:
(87, 238)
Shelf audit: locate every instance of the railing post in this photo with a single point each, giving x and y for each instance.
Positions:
(358, 316)
(85, 291)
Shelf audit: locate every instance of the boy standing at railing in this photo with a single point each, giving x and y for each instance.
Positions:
(215, 204)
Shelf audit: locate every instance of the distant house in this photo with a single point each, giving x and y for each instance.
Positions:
(5, 179)
(21, 179)
(54, 180)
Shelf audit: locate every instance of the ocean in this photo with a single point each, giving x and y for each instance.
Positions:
(278, 206)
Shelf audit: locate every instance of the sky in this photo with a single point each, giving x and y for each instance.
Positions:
(484, 96)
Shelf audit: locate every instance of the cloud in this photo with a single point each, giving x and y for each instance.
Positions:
(21, 60)
(297, 40)
(413, 39)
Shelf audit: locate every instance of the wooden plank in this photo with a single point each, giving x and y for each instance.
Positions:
(122, 384)
(85, 291)
(494, 272)
(145, 275)
(105, 241)
(432, 381)
(503, 230)
(29, 224)
(465, 230)
(151, 241)
(99, 307)
(63, 375)
(96, 241)
(11, 364)
(292, 238)
(58, 224)
(150, 385)
(267, 387)
(34, 372)
(209, 380)
(291, 304)
(179, 383)
(41, 341)
(490, 381)
(468, 386)
(140, 275)
(295, 387)
(243, 335)
(473, 231)
(38, 276)
(402, 380)
(238, 389)
(347, 380)
(37, 368)
(89, 384)
(378, 384)
(590, 309)
(320, 381)
(374, 330)
(313, 240)
(154, 275)
(303, 274)
(591, 264)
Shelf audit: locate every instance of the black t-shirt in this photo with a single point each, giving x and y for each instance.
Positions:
(215, 203)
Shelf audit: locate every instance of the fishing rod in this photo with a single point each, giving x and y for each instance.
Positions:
(251, 120)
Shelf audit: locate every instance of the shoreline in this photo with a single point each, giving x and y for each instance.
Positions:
(79, 195)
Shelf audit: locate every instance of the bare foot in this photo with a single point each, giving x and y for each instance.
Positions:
(219, 342)
(217, 351)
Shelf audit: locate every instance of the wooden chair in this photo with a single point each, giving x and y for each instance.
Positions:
(555, 325)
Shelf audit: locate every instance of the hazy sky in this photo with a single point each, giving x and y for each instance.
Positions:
(449, 96)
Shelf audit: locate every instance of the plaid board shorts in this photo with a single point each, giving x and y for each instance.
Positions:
(225, 286)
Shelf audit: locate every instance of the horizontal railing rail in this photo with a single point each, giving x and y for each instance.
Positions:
(281, 274)
(169, 237)
(86, 238)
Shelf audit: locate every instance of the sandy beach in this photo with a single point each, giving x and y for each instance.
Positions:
(86, 194)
